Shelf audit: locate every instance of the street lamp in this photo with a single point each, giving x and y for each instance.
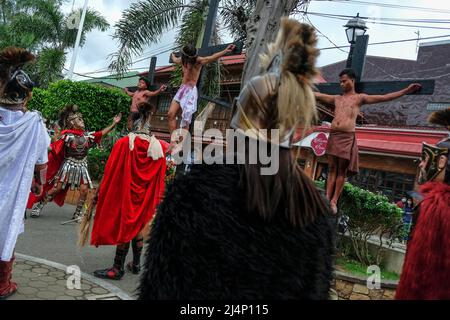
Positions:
(355, 27)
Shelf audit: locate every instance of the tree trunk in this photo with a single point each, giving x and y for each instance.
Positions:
(262, 28)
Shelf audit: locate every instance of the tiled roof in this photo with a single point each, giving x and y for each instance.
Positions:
(433, 62)
(127, 81)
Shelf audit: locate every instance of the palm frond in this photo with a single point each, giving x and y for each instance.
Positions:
(234, 15)
(50, 62)
(94, 20)
(143, 23)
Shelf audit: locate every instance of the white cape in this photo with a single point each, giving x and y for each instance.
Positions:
(24, 143)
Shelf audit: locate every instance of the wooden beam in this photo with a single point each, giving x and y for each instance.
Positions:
(210, 21)
(216, 101)
(151, 70)
(262, 28)
(379, 87)
(359, 56)
(211, 50)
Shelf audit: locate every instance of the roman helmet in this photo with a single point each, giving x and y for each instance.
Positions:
(15, 84)
(71, 118)
(436, 159)
(281, 96)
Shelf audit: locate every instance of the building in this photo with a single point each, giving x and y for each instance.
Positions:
(129, 80)
(433, 62)
(389, 135)
(387, 157)
(220, 116)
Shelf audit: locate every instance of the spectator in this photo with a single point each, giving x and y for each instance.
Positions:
(401, 203)
(407, 217)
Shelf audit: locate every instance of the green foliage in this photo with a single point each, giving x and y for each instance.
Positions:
(369, 215)
(98, 157)
(98, 104)
(356, 268)
(42, 28)
(170, 172)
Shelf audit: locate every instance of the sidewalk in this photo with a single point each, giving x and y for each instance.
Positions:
(40, 279)
(47, 239)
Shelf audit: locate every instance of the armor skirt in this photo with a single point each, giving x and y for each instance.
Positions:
(74, 172)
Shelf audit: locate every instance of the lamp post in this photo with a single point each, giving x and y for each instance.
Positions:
(355, 27)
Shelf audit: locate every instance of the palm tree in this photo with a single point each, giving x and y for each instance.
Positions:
(41, 27)
(146, 21)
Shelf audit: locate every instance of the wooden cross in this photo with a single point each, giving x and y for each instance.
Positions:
(373, 87)
(207, 50)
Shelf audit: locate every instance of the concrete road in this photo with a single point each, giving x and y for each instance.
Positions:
(46, 238)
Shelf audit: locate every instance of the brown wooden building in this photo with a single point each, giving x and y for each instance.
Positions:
(387, 157)
(389, 135)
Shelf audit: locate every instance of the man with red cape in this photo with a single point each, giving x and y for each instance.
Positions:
(131, 189)
(67, 162)
(426, 270)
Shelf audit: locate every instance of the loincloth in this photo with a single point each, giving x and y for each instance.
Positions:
(187, 98)
(342, 144)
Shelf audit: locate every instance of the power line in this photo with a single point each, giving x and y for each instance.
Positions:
(389, 42)
(378, 18)
(373, 21)
(334, 44)
(394, 6)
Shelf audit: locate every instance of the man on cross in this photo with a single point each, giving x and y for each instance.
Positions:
(186, 97)
(342, 149)
(141, 95)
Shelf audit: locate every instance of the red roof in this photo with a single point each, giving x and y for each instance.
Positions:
(393, 141)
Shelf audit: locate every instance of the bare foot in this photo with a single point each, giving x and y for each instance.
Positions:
(334, 208)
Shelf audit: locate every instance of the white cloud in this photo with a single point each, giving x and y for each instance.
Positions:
(100, 44)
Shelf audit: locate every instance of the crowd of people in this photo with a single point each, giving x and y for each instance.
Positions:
(219, 231)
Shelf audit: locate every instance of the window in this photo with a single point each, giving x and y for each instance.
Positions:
(164, 101)
(391, 184)
(433, 106)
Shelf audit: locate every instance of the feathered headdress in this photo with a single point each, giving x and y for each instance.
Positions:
(281, 97)
(440, 118)
(15, 85)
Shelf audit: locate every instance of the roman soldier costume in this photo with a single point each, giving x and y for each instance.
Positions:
(131, 189)
(68, 165)
(23, 156)
(426, 270)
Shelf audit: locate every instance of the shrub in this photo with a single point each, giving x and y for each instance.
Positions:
(98, 104)
(369, 214)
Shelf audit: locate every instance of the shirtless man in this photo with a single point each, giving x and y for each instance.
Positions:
(142, 94)
(342, 149)
(186, 97)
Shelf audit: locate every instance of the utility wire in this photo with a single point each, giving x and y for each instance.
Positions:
(373, 21)
(389, 42)
(393, 6)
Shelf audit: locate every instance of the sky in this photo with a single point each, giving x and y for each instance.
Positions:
(94, 55)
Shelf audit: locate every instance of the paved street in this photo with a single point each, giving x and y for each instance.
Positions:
(43, 280)
(45, 238)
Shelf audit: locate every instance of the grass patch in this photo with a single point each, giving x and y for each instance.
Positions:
(358, 269)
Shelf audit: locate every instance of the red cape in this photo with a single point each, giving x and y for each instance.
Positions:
(55, 159)
(426, 270)
(131, 189)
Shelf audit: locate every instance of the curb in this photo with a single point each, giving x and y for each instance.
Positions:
(105, 285)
